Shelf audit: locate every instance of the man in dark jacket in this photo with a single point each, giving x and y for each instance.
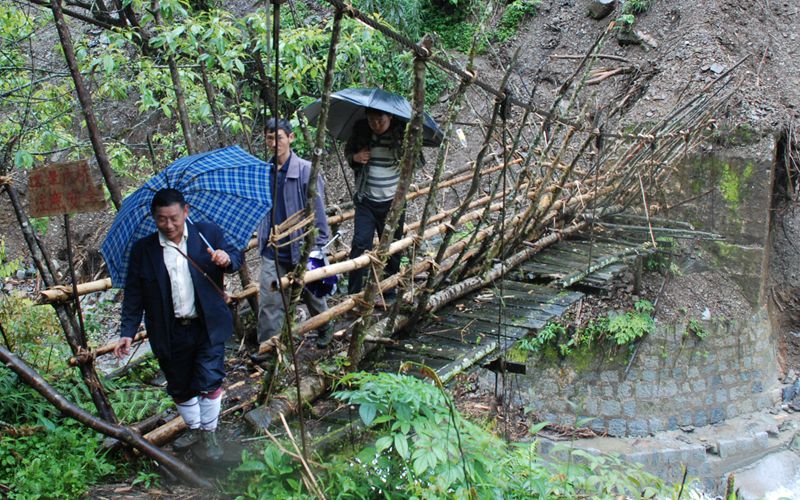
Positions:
(374, 151)
(290, 175)
(177, 281)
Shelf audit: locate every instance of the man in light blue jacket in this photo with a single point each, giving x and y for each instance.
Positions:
(290, 178)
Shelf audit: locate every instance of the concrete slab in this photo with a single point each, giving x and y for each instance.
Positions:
(775, 476)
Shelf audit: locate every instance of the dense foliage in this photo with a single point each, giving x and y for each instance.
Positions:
(41, 454)
(226, 70)
(44, 455)
(424, 448)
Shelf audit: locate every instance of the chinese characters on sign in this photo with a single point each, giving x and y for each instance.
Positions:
(63, 188)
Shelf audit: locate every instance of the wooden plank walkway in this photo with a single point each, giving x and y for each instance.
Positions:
(474, 330)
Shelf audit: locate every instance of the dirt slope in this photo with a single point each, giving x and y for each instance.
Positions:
(682, 41)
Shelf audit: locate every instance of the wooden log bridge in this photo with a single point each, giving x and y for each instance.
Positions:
(544, 170)
(480, 327)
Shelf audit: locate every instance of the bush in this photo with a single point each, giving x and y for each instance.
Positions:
(41, 454)
(33, 332)
(513, 16)
(424, 448)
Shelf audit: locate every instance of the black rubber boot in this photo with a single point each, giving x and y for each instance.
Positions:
(324, 336)
(211, 446)
(190, 437)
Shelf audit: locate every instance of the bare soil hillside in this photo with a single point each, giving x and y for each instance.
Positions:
(682, 46)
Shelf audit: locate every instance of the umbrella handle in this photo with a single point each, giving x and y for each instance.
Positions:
(201, 236)
(328, 244)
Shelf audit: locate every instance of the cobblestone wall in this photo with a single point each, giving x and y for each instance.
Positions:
(675, 379)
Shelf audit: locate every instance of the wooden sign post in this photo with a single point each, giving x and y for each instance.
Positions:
(61, 189)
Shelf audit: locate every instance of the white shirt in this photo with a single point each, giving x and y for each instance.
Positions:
(179, 277)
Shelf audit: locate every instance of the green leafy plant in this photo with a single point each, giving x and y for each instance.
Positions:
(147, 479)
(133, 403)
(271, 475)
(619, 329)
(660, 259)
(7, 266)
(420, 435)
(626, 328)
(697, 328)
(33, 332)
(547, 335)
(423, 448)
(625, 22)
(636, 6)
(513, 15)
(630, 9)
(40, 224)
(41, 454)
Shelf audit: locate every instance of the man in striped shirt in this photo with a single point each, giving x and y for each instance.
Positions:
(374, 151)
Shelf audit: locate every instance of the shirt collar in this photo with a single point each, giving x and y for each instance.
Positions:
(285, 166)
(168, 243)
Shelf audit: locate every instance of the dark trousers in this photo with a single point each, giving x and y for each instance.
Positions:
(370, 218)
(195, 365)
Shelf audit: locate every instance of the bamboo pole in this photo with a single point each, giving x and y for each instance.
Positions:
(455, 220)
(63, 293)
(414, 194)
(100, 351)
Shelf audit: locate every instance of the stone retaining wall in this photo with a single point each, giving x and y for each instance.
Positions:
(675, 379)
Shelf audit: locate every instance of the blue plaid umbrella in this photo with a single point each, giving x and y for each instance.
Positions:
(227, 186)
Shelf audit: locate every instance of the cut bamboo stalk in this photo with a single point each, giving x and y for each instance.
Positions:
(63, 293)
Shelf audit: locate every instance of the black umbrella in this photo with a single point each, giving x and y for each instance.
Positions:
(348, 106)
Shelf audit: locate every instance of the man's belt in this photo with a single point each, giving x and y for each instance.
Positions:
(187, 321)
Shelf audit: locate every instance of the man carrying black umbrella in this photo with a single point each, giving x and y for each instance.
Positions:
(374, 151)
(175, 277)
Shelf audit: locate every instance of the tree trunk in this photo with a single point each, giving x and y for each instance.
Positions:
(211, 96)
(124, 434)
(63, 313)
(86, 104)
(180, 100)
(180, 104)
